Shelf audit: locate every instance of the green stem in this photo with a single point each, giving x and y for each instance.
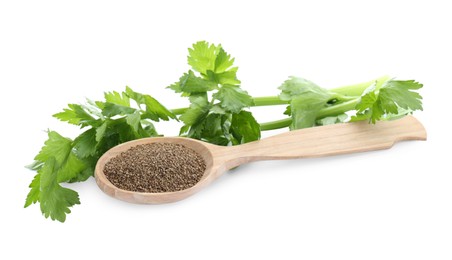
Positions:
(272, 125)
(268, 101)
(328, 111)
(358, 89)
(338, 109)
(257, 102)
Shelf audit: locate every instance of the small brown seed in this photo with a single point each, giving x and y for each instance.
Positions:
(155, 167)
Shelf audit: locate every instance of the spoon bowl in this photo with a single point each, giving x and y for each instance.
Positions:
(199, 147)
(310, 142)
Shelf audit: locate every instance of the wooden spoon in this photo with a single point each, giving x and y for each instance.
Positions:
(310, 142)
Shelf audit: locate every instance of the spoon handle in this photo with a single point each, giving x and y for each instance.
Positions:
(327, 140)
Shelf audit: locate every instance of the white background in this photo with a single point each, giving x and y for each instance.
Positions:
(392, 204)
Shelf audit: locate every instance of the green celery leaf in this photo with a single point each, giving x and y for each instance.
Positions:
(195, 116)
(369, 107)
(154, 109)
(34, 166)
(55, 200)
(217, 109)
(111, 109)
(304, 111)
(56, 146)
(198, 110)
(212, 126)
(227, 129)
(190, 83)
(295, 86)
(368, 98)
(75, 115)
(72, 167)
(100, 131)
(330, 120)
(401, 113)
(117, 98)
(184, 130)
(306, 100)
(218, 140)
(175, 87)
(213, 63)
(93, 107)
(393, 99)
(400, 94)
(60, 149)
(223, 61)
(227, 77)
(233, 98)
(33, 195)
(85, 174)
(126, 132)
(69, 115)
(223, 73)
(202, 56)
(88, 171)
(288, 111)
(148, 129)
(196, 130)
(217, 129)
(134, 120)
(85, 144)
(361, 116)
(100, 105)
(244, 127)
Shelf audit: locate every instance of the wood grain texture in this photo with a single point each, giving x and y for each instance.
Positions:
(311, 142)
